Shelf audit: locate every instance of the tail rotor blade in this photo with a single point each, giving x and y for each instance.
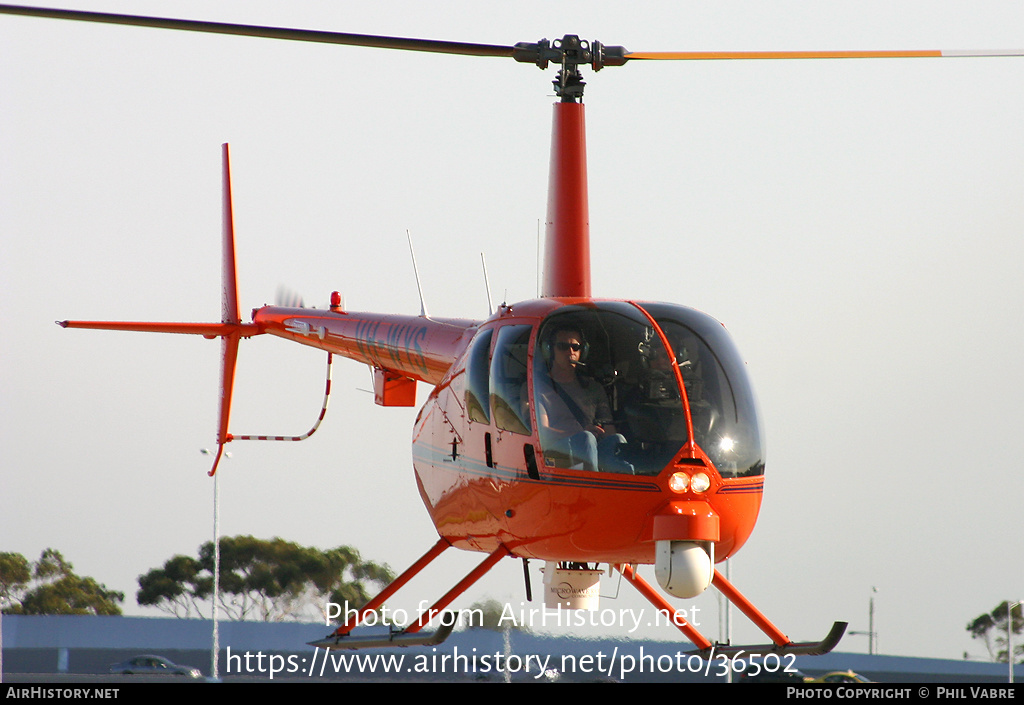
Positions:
(288, 298)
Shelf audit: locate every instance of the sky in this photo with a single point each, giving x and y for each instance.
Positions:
(858, 226)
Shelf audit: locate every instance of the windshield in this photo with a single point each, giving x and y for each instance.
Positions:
(607, 399)
(726, 423)
(606, 396)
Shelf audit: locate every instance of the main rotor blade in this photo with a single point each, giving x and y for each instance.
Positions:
(526, 52)
(299, 35)
(739, 55)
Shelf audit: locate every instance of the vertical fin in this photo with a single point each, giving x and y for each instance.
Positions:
(229, 278)
(229, 314)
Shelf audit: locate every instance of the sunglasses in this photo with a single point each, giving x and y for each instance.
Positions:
(575, 347)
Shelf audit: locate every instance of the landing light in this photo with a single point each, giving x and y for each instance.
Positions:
(700, 482)
(678, 482)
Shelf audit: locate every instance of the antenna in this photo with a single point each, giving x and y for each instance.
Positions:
(487, 286)
(538, 258)
(416, 271)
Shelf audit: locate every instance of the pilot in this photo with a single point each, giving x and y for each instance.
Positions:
(660, 381)
(573, 413)
(653, 405)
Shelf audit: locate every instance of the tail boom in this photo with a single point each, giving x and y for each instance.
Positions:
(416, 347)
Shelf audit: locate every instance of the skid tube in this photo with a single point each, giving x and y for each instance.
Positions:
(781, 644)
(341, 638)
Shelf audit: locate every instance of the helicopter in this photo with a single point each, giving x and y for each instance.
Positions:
(483, 418)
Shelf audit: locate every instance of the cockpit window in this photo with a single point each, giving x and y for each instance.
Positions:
(478, 383)
(605, 393)
(726, 425)
(508, 378)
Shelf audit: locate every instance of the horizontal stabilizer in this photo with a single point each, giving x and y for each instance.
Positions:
(209, 330)
(383, 641)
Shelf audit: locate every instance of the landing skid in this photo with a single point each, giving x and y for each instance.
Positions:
(342, 638)
(805, 648)
(781, 644)
(399, 638)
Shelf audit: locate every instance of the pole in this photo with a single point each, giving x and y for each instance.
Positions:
(1009, 635)
(728, 618)
(215, 647)
(871, 622)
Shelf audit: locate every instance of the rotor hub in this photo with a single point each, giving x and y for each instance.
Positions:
(570, 52)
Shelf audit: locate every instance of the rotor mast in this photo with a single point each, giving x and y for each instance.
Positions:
(567, 236)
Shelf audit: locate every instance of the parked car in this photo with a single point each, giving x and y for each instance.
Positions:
(780, 676)
(840, 677)
(154, 665)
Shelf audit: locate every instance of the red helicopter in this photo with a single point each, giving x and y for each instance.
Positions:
(567, 429)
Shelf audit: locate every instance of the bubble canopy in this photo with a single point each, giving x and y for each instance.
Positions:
(607, 396)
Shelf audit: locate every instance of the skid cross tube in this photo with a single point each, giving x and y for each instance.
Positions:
(341, 638)
(747, 607)
(459, 588)
(394, 586)
(663, 606)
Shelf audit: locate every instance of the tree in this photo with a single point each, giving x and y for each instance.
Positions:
(15, 574)
(269, 580)
(490, 611)
(177, 588)
(991, 628)
(52, 587)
